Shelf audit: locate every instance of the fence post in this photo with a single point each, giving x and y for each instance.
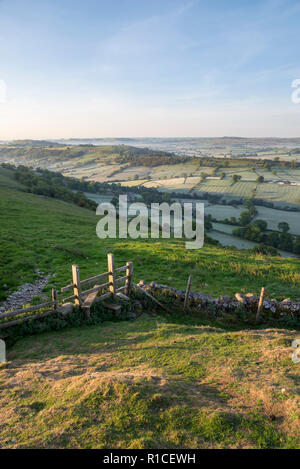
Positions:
(187, 292)
(2, 351)
(54, 298)
(111, 274)
(261, 303)
(76, 284)
(128, 281)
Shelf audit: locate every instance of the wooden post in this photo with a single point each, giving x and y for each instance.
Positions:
(2, 351)
(128, 281)
(152, 297)
(187, 292)
(111, 274)
(261, 303)
(76, 284)
(54, 298)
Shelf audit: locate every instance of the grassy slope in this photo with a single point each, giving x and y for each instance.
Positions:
(151, 383)
(155, 382)
(38, 232)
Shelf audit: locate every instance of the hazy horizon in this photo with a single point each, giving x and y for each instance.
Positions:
(176, 68)
(243, 137)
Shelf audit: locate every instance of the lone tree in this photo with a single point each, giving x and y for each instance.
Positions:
(260, 179)
(283, 226)
(236, 177)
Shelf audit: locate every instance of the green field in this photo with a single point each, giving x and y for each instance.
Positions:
(276, 193)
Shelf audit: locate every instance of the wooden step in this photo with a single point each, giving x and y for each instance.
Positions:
(122, 296)
(86, 307)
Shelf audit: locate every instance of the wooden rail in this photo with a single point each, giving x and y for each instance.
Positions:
(30, 309)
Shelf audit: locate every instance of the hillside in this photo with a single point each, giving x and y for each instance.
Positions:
(151, 383)
(38, 232)
(228, 177)
(188, 382)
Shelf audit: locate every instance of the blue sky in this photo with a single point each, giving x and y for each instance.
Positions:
(148, 68)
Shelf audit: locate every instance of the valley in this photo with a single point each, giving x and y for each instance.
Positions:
(223, 182)
(191, 380)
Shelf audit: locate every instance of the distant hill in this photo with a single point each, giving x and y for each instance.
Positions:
(33, 143)
(46, 154)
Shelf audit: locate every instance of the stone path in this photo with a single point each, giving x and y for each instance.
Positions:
(24, 294)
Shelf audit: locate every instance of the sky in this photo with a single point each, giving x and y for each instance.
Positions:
(140, 68)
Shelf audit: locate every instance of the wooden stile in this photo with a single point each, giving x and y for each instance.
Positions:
(76, 284)
(90, 300)
(80, 295)
(122, 296)
(96, 288)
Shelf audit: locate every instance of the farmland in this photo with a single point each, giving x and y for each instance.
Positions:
(40, 232)
(133, 166)
(223, 183)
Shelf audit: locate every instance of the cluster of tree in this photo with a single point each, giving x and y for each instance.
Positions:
(53, 184)
(257, 231)
(49, 184)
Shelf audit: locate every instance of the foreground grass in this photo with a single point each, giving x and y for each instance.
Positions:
(50, 235)
(151, 383)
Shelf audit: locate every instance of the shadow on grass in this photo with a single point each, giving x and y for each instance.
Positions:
(163, 414)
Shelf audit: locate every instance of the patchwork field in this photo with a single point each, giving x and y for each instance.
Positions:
(170, 172)
(176, 184)
(276, 193)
